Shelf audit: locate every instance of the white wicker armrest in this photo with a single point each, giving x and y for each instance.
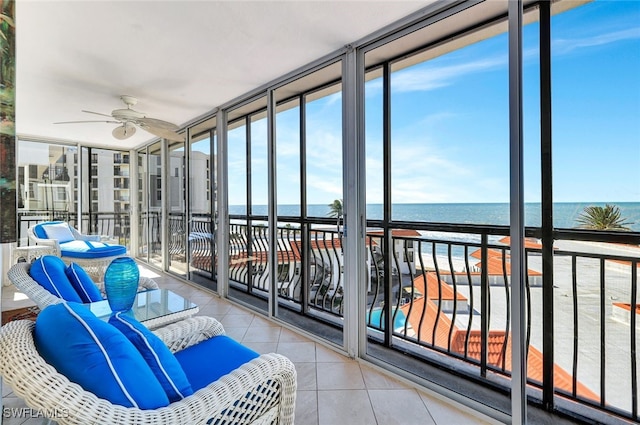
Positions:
(41, 241)
(260, 391)
(19, 275)
(188, 332)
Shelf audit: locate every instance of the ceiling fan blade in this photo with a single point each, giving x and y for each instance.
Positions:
(123, 132)
(97, 113)
(152, 122)
(164, 133)
(80, 122)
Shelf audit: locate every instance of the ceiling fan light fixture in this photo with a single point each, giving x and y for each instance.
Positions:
(124, 131)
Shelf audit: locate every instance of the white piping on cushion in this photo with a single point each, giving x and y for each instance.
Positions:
(104, 352)
(155, 355)
(73, 270)
(46, 273)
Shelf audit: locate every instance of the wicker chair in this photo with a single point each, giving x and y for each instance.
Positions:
(94, 266)
(261, 391)
(18, 274)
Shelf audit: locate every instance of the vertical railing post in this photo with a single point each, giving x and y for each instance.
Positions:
(546, 167)
(484, 303)
(633, 331)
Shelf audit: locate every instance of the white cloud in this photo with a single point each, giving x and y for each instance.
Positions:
(564, 46)
(424, 78)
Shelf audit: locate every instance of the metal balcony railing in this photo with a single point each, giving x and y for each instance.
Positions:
(435, 290)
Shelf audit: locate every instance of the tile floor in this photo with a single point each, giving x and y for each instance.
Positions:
(332, 389)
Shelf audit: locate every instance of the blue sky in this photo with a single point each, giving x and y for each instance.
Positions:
(450, 122)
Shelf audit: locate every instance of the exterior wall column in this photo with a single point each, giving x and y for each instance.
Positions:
(518, 272)
(8, 198)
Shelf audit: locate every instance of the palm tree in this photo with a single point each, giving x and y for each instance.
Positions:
(336, 211)
(602, 218)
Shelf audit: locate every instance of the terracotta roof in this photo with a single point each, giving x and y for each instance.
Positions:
(330, 244)
(627, 306)
(495, 266)
(491, 252)
(423, 312)
(435, 289)
(626, 263)
(531, 243)
(261, 257)
(397, 232)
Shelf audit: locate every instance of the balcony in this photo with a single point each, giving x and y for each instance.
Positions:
(443, 300)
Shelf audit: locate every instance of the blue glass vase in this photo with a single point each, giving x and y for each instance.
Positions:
(121, 283)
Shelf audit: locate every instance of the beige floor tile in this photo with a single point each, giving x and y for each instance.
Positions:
(339, 376)
(399, 407)
(348, 407)
(445, 413)
(375, 380)
(307, 378)
(298, 352)
(200, 300)
(289, 336)
(262, 322)
(262, 347)
(235, 333)
(213, 309)
(327, 355)
(306, 408)
(237, 320)
(262, 334)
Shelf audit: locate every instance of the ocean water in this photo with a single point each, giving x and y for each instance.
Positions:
(565, 213)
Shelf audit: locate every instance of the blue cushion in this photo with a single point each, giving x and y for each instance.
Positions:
(96, 356)
(207, 361)
(58, 231)
(49, 271)
(91, 249)
(160, 359)
(82, 283)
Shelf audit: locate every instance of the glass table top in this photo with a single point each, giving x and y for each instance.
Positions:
(154, 304)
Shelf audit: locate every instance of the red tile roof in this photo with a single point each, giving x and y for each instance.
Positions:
(402, 233)
(423, 316)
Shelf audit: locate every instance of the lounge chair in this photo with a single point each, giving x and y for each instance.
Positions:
(86, 250)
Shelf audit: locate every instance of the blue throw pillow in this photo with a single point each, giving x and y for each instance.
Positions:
(96, 356)
(82, 283)
(49, 271)
(160, 359)
(207, 361)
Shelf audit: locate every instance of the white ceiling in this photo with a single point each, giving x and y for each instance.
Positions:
(180, 58)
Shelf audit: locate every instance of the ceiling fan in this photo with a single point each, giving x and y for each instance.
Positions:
(128, 119)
